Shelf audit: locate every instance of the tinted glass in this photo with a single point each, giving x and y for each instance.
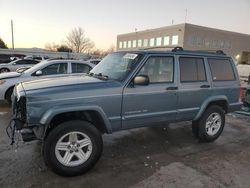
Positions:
(31, 62)
(158, 69)
(221, 69)
(192, 69)
(80, 68)
(21, 62)
(59, 68)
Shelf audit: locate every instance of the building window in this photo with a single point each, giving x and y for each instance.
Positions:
(120, 44)
(166, 41)
(129, 44)
(175, 40)
(145, 42)
(207, 43)
(152, 42)
(139, 43)
(134, 43)
(124, 44)
(158, 41)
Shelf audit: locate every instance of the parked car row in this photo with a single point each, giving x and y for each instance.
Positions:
(14, 65)
(125, 90)
(44, 69)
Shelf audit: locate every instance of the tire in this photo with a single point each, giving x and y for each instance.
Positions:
(56, 159)
(9, 94)
(3, 70)
(211, 124)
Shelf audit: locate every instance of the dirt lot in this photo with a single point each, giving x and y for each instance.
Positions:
(150, 157)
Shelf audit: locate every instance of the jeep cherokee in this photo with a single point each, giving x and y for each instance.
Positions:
(125, 90)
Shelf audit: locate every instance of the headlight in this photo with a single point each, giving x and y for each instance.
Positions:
(2, 82)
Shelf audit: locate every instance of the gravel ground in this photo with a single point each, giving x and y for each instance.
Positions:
(166, 156)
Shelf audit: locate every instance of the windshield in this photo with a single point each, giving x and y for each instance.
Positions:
(116, 65)
(36, 67)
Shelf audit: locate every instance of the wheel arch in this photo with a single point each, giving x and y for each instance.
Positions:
(94, 115)
(221, 101)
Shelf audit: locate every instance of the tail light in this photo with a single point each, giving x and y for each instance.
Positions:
(242, 92)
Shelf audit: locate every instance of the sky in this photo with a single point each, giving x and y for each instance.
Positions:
(37, 23)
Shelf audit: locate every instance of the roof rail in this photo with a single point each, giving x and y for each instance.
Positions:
(177, 48)
(156, 47)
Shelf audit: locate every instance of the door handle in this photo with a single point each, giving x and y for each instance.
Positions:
(205, 86)
(171, 88)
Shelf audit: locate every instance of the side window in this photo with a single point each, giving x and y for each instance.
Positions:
(21, 62)
(192, 69)
(80, 68)
(31, 62)
(59, 68)
(221, 69)
(159, 69)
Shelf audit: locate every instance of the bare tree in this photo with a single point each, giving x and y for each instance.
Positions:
(78, 41)
(51, 46)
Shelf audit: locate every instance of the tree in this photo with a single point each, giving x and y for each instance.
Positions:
(2, 44)
(78, 41)
(51, 46)
(64, 48)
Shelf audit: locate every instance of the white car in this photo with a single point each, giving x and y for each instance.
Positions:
(14, 65)
(244, 71)
(44, 69)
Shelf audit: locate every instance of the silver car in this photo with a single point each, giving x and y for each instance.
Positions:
(14, 65)
(44, 69)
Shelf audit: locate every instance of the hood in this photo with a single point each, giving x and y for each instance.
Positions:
(9, 75)
(58, 82)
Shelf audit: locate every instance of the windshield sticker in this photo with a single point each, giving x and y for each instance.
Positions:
(130, 56)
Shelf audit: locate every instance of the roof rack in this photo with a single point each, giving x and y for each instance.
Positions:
(157, 47)
(180, 49)
(177, 48)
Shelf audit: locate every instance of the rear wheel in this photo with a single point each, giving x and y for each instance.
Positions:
(211, 124)
(3, 70)
(72, 148)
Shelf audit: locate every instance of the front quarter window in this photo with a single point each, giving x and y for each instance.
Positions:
(117, 66)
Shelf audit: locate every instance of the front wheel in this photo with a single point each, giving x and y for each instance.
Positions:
(211, 124)
(72, 148)
(3, 70)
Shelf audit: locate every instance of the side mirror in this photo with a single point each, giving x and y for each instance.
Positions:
(38, 73)
(141, 80)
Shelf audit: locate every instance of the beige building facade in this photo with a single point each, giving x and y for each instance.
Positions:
(190, 37)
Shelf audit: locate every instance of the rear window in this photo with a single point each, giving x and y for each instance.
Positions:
(221, 69)
(192, 69)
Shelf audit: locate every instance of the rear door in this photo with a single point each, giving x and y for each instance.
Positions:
(194, 86)
(153, 103)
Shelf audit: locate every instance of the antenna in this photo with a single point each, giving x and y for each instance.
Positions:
(186, 13)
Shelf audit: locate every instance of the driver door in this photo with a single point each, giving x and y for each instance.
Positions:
(153, 103)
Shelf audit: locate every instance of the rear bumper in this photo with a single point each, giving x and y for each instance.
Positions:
(234, 107)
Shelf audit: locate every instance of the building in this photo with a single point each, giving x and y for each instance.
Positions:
(190, 37)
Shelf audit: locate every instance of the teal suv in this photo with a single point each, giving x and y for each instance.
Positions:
(125, 90)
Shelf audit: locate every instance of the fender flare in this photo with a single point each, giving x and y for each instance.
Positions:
(51, 113)
(207, 102)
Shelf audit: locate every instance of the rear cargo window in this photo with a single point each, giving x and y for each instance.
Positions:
(192, 69)
(221, 69)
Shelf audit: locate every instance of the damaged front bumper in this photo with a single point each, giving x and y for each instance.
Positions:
(17, 133)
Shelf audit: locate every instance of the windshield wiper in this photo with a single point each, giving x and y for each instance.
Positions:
(99, 76)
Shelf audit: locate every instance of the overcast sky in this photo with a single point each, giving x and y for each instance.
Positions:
(39, 22)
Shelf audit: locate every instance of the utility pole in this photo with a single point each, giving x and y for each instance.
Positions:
(12, 35)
